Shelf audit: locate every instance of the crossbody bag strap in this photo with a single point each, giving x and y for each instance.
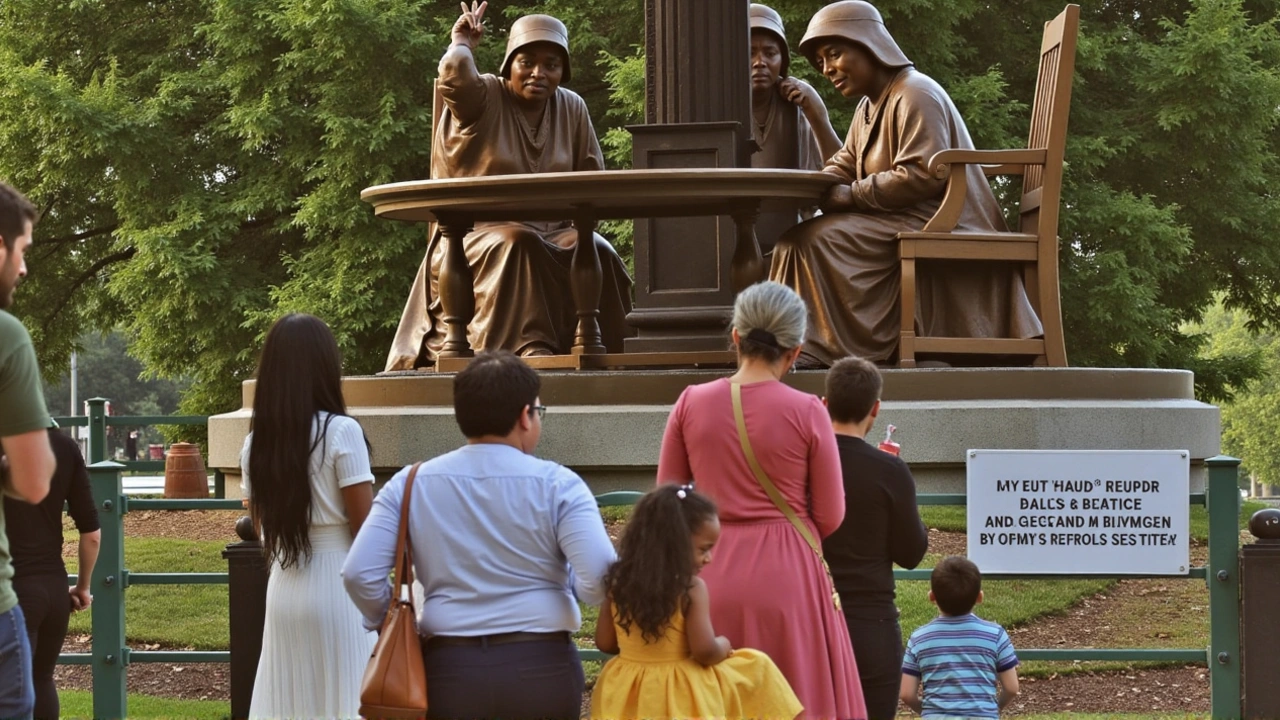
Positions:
(739, 417)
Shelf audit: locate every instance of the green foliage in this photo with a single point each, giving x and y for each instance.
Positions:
(105, 369)
(199, 162)
(1251, 414)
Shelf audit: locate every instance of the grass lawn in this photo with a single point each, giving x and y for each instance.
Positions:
(187, 616)
(79, 704)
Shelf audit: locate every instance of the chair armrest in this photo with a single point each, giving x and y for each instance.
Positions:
(940, 164)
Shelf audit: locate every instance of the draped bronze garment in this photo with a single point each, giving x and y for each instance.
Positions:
(521, 269)
(845, 264)
(786, 141)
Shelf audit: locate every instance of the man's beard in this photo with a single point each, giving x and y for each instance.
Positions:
(7, 287)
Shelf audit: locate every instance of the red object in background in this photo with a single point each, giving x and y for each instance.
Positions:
(888, 445)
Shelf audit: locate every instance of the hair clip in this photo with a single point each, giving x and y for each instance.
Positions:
(684, 491)
(764, 337)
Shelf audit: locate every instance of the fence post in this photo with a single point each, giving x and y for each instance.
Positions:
(1223, 500)
(97, 429)
(110, 655)
(1259, 588)
(247, 587)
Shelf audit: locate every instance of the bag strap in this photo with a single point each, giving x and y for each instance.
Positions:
(735, 391)
(403, 574)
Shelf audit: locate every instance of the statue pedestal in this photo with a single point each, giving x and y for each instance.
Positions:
(608, 425)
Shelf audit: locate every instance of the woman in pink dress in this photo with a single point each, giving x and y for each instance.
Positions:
(768, 587)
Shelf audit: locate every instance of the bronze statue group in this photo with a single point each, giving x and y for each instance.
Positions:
(842, 259)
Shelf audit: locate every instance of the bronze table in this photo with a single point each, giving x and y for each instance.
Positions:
(586, 198)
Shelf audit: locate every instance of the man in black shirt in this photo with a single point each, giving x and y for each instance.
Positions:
(39, 575)
(881, 527)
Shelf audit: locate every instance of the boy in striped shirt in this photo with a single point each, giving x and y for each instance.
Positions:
(958, 657)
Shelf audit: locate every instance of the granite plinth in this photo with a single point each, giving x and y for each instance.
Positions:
(608, 425)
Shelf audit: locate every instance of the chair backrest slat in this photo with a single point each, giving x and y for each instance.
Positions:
(1049, 113)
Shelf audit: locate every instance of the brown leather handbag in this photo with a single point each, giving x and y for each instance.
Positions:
(395, 681)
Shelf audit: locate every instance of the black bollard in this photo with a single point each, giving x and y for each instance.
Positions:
(1260, 623)
(247, 586)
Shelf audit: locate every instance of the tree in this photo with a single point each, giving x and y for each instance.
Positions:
(199, 162)
(104, 368)
(1251, 413)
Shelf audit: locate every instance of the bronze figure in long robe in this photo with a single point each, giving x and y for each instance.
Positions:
(845, 264)
(521, 269)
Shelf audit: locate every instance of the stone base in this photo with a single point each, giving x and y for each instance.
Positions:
(608, 425)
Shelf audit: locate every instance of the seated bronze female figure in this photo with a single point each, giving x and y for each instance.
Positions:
(520, 122)
(791, 127)
(845, 262)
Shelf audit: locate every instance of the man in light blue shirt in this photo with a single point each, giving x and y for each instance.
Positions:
(504, 544)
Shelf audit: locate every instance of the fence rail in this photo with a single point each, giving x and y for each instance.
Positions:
(110, 656)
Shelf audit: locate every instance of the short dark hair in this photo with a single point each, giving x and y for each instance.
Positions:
(490, 393)
(955, 583)
(853, 387)
(15, 211)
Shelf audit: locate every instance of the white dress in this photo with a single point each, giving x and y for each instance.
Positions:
(314, 646)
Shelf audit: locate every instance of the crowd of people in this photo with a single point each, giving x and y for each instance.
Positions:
(754, 581)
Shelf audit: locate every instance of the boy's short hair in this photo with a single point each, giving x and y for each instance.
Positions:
(853, 387)
(15, 211)
(491, 392)
(956, 582)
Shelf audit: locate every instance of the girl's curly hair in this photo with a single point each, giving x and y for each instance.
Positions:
(655, 558)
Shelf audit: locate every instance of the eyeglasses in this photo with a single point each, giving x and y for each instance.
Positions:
(540, 409)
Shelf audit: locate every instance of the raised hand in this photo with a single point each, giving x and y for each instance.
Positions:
(802, 95)
(470, 25)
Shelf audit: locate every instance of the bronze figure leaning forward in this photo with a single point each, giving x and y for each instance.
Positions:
(521, 122)
(789, 121)
(845, 262)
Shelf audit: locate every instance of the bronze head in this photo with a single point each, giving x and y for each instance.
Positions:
(532, 29)
(767, 23)
(857, 22)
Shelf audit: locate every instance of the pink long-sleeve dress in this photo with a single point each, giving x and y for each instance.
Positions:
(768, 589)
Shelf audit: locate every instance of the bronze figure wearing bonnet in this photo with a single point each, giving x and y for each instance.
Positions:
(845, 262)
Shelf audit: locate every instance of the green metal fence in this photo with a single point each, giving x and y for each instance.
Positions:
(111, 656)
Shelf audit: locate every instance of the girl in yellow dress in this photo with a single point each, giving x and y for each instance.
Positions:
(671, 664)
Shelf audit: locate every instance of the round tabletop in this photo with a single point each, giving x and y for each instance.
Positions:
(602, 195)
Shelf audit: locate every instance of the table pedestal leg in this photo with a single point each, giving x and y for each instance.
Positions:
(747, 267)
(457, 288)
(585, 280)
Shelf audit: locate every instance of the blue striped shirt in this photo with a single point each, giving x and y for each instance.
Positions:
(957, 660)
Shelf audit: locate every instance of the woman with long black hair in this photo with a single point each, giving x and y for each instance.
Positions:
(306, 473)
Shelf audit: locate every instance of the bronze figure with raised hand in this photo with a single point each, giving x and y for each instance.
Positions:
(520, 122)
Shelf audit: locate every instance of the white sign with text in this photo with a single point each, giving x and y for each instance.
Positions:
(1079, 511)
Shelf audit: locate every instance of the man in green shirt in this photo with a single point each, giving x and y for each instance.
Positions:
(25, 441)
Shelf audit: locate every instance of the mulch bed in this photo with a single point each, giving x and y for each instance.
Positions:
(1171, 689)
(201, 681)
